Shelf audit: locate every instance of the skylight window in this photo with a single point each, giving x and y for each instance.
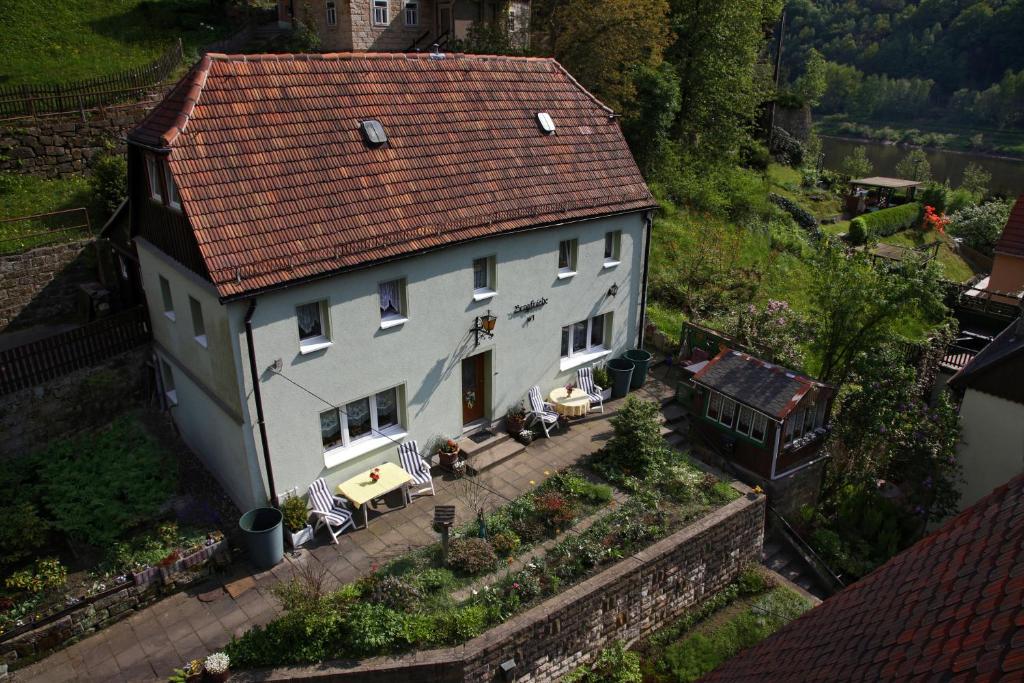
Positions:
(373, 132)
(545, 122)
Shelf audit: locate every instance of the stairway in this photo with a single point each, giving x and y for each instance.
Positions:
(780, 558)
(489, 453)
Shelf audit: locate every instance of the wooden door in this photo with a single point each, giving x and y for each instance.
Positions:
(472, 388)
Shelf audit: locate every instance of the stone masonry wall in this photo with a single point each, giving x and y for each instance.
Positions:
(42, 284)
(31, 418)
(66, 144)
(626, 602)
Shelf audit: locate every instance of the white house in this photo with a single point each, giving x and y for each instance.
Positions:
(992, 415)
(335, 225)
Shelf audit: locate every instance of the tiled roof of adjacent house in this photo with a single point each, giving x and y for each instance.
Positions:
(1012, 240)
(771, 389)
(279, 185)
(950, 608)
(997, 368)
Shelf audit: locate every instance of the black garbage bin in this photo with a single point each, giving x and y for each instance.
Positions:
(264, 539)
(641, 360)
(621, 371)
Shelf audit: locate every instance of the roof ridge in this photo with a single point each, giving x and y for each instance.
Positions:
(195, 80)
(408, 56)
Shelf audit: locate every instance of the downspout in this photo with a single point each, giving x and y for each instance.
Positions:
(649, 225)
(259, 401)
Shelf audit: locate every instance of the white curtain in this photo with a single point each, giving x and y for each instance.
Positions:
(389, 297)
(309, 319)
(358, 411)
(329, 423)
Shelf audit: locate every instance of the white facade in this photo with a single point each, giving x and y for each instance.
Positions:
(992, 444)
(362, 355)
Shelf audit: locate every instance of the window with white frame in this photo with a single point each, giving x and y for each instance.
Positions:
(744, 418)
(412, 13)
(198, 326)
(483, 278)
(714, 405)
(168, 377)
(750, 423)
(153, 176)
(380, 12)
(392, 303)
(358, 421)
(586, 337)
(728, 412)
(311, 319)
(332, 13)
(173, 199)
(612, 241)
(165, 293)
(567, 258)
(759, 427)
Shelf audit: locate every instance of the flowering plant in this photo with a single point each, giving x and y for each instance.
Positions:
(218, 663)
(934, 221)
(375, 474)
(449, 446)
(569, 388)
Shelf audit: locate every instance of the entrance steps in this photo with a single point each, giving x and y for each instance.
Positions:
(487, 454)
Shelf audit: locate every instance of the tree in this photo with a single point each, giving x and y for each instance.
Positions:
(980, 226)
(601, 42)
(856, 306)
(811, 85)
(915, 166)
(773, 332)
(856, 164)
(976, 179)
(648, 123)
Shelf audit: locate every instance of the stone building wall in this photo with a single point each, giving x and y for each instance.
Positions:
(355, 29)
(626, 602)
(41, 285)
(796, 122)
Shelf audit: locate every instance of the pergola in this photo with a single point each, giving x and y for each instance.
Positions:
(884, 188)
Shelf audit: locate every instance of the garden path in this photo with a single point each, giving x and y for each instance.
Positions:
(151, 643)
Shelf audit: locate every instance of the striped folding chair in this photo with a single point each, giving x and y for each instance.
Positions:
(330, 511)
(585, 380)
(416, 466)
(541, 411)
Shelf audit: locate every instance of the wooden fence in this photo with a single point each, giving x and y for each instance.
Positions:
(72, 96)
(45, 359)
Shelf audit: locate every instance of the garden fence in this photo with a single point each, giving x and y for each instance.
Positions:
(102, 91)
(22, 233)
(45, 359)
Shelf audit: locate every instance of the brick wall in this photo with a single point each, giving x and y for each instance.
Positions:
(41, 284)
(355, 30)
(627, 602)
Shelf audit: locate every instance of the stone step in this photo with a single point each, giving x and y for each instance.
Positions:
(676, 440)
(673, 412)
(495, 455)
(471, 448)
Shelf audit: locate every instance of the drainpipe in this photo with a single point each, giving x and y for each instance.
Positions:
(648, 224)
(259, 401)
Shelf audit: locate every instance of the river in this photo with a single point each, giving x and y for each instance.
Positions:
(1007, 174)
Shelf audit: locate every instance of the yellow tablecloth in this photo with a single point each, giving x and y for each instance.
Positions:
(571, 406)
(360, 489)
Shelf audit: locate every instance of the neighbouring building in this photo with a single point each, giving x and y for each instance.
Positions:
(319, 236)
(949, 608)
(403, 25)
(1008, 261)
(991, 390)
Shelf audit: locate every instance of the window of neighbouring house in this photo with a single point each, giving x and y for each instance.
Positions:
(393, 310)
(585, 340)
(167, 374)
(483, 278)
(612, 241)
(567, 258)
(173, 199)
(165, 293)
(332, 13)
(153, 177)
(412, 13)
(380, 12)
(311, 319)
(198, 326)
(362, 424)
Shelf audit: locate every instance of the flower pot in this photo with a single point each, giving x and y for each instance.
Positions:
(448, 459)
(146, 576)
(514, 425)
(297, 538)
(606, 394)
(216, 678)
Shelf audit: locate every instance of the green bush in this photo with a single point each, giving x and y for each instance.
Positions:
(22, 533)
(295, 513)
(110, 181)
(435, 580)
(471, 555)
(935, 195)
(371, 629)
(391, 591)
(47, 574)
(858, 231)
(636, 446)
(614, 665)
(601, 377)
(885, 222)
(505, 543)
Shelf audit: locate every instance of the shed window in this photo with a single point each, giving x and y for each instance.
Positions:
(380, 12)
(714, 405)
(728, 411)
(758, 427)
(744, 420)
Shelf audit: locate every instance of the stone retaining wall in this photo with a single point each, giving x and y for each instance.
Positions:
(626, 602)
(41, 284)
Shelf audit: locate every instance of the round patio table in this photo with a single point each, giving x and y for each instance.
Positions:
(576, 405)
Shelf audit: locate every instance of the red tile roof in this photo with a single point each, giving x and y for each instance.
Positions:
(950, 608)
(1012, 240)
(279, 186)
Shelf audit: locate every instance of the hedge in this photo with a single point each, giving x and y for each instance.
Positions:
(804, 218)
(885, 222)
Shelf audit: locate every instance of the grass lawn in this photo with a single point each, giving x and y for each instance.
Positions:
(65, 40)
(954, 268)
(25, 195)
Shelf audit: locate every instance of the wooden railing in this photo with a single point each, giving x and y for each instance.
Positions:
(45, 359)
(72, 96)
(22, 233)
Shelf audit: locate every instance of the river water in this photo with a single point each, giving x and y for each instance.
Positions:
(1007, 174)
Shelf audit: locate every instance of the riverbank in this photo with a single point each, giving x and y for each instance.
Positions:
(927, 134)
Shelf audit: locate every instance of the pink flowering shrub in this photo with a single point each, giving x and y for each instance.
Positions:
(772, 332)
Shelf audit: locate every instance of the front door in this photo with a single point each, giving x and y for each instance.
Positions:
(472, 388)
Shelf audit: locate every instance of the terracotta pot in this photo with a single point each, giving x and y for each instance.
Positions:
(514, 424)
(448, 459)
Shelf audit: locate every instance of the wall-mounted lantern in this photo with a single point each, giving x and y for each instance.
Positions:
(484, 325)
(613, 290)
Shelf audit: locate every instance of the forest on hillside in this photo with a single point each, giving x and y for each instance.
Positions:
(903, 59)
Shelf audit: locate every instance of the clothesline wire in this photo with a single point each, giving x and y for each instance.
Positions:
(372, 429)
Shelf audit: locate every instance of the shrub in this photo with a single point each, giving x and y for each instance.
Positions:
(391, 591)
(601, 377)
(435, 580)
(554, 510)
(935, 195)
(804, 218)
(295, 513)
(980, 226)
(505, 543)
(614, 665)
(786, 148)
(636, 447)
(110, 181)
(461, 624)
(858, 231)
(297, 637)
(888, 221)
(471, 555)
(372, 629)
(47, 574)
(22, 533)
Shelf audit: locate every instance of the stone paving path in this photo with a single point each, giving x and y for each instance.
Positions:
(149, 645)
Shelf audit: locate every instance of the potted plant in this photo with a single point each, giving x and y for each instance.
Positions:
(448, 453)
(216, 666)
(602, 380)
(515, 418)
(296, 522)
